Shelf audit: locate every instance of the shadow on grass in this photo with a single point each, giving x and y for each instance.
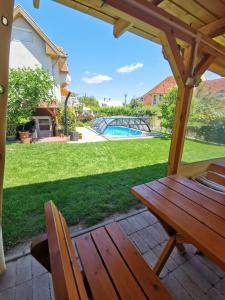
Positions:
(85, 200)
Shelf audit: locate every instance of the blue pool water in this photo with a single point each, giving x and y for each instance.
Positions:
(121, 131)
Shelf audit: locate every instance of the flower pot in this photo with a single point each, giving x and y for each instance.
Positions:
(74, 136)
(24, 136)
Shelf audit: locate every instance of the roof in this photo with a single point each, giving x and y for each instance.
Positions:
(20, 12)
(164, 86)
(215, 85)
(192, 19)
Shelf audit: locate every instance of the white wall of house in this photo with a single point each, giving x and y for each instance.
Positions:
(28, 50)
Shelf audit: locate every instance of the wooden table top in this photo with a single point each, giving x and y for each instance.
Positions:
(192, 210)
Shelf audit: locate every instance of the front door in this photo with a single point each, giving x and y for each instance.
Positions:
(43, 126)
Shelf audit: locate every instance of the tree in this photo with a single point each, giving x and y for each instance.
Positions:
(27, 89)
(90, 102)
(204, 107)
(167, 108)
(135, 103)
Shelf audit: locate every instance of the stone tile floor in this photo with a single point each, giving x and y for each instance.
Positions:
(187, 277)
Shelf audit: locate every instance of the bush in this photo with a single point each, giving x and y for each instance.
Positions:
(27, 89)
(123, 111)
(167, 108)
(213, 131)
(84, 118)
(71, 118)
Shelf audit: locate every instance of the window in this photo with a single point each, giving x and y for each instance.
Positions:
(44, 124)
(22, 34)
(161, 97)
(154, 102)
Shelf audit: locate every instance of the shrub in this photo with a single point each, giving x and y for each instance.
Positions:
(123, 111)
(71, 118)
(27, 89)
(167, 108)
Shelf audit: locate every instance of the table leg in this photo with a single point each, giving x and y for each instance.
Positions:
(171, 232)
(165, 255)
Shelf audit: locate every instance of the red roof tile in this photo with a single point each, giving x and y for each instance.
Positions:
(164, 86)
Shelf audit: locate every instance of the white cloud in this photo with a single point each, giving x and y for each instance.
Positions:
(130, 68)
(96, 79)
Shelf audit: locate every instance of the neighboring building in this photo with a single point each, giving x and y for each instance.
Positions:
(216, 85)
(110, 103)
(30, 47)
(155, 95)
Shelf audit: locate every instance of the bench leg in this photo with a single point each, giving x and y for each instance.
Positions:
(165, 255)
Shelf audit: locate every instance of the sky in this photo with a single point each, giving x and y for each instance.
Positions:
(100, 65)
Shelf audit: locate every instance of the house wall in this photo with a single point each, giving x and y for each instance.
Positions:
(147, 99)
(28, 50)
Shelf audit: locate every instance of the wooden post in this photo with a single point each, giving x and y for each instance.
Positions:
(6, 19)
(183, 103)
(187, 69)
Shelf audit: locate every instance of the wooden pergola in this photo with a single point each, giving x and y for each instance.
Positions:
(192, 35)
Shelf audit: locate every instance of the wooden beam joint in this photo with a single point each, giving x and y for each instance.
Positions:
(120, 27)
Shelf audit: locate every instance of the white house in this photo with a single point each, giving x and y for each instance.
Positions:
(30, 47)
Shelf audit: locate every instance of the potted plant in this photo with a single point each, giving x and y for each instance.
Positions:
(74, 135)
(24, 134)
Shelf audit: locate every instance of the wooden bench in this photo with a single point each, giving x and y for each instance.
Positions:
(112, 267)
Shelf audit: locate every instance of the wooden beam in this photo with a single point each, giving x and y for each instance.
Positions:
(179, 128)
(120, 27)
(164, 21)
(36, 3)
(214, 28)
(174, 57)
(157, 2)
(155, 16)
(183, 103)
(6, 9)
(204, 64)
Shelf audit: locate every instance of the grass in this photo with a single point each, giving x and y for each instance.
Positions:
(88, 182)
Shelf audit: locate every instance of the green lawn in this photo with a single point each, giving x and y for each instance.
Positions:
(88, 182)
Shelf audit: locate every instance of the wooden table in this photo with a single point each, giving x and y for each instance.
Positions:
(189, 212)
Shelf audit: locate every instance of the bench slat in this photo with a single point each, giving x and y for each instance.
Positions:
(77, 274)
(216, 177)
(123, 279)
(218, 168)
(62, 273)
(149, 282)
(97, 277)
(113, 268)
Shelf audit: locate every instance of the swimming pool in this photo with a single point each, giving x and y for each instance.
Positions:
(121, 131)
